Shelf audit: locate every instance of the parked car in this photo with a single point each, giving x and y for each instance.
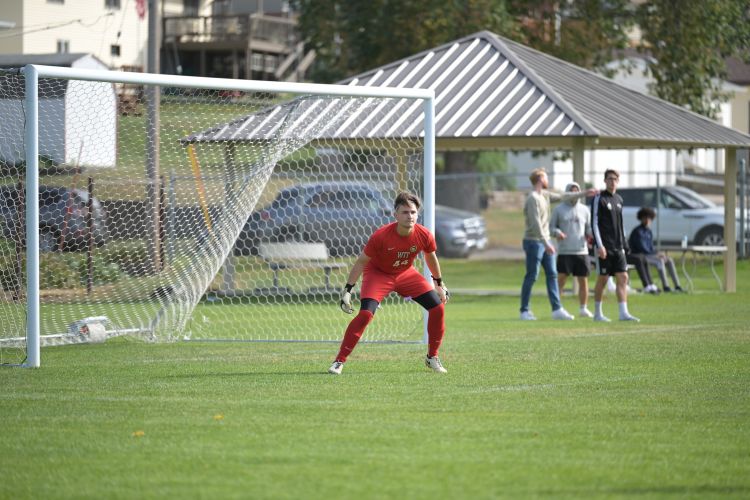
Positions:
(459, 232)
(62, 218)
(343, 215)
(680, 212)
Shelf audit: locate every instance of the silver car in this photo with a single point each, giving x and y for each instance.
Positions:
(459, 232)
(325, 212)
(680, 213)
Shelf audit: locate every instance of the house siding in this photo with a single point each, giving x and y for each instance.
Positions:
(94, 34)
(12, 11)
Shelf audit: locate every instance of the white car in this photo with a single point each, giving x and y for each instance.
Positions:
(680, 212)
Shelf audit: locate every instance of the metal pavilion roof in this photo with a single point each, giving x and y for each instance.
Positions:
(481, 90)
(491, 92)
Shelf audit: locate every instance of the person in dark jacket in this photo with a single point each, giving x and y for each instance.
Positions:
(610, 246)
(641, 243)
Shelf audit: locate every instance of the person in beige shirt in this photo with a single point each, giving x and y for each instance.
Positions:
(537, 244)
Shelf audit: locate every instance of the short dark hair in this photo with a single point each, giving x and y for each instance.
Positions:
(405, 198)
(611, 171)
(646, 213)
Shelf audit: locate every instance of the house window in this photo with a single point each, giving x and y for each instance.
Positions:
(114, 50)
(270, 63)
(63, 46)
(112, 4)
(256, 62)
(190, 7)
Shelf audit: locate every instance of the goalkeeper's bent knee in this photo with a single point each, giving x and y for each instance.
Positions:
(428, 300)
(369, 305)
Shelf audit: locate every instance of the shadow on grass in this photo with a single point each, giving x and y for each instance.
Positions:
(658, 490)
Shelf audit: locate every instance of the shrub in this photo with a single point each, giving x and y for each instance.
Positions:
(56, 270)
(104, 272)
(59, 270)
(130, 256)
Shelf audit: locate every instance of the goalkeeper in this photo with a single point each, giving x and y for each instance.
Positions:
(387, 262)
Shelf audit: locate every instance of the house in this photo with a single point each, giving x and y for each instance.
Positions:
(219, 38)
(77, 119)
(738, 73)
(251, 39)
(110, 30)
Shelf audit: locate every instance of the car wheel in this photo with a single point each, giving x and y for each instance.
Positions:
(711, 236)
(48, 241)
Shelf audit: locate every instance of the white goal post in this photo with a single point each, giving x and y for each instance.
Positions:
(239, 160)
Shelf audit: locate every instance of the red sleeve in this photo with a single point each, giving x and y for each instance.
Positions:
(430, 245)
(372, 248)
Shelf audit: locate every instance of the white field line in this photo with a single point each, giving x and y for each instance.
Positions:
(640, 328)
(547, 387)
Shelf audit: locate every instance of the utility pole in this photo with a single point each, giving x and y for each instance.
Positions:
(743, 208)
(153, 103)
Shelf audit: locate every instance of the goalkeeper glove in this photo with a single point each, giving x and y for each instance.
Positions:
(346, 299)
(441, 290)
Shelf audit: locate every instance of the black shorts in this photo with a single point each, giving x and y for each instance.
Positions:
(613, 264)
(577, 265)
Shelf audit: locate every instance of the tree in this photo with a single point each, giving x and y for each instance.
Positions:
(353, 36)
(688, 43)
(583, 32)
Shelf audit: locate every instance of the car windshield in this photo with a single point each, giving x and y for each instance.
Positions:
(284, 198)
(692, 199)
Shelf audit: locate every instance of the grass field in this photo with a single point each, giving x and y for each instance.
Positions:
(541, 409)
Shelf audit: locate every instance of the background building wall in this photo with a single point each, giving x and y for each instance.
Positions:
(12, 11)
(87, 26)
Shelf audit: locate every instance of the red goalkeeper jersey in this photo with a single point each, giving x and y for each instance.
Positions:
(392, 253)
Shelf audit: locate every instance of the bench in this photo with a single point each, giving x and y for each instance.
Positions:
(710, 251)
(298, 255)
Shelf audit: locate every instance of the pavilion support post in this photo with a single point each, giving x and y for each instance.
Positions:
(578, 170)
(730, 223)
(578, 176)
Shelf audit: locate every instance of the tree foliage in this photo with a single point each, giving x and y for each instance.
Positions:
(583, 32)
(689, 43)
(352, 36)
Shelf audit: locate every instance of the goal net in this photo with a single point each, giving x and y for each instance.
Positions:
(172, 208)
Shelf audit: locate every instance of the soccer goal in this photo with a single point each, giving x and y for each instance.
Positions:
(164, 207)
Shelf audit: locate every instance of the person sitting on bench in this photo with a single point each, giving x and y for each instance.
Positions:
(642, 245)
